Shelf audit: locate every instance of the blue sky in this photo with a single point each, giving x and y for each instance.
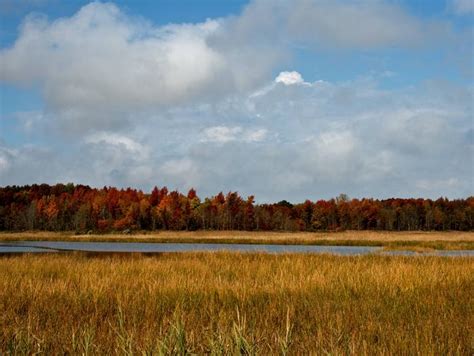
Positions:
(144, 93)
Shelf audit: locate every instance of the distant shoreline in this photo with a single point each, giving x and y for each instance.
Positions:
(416, 240)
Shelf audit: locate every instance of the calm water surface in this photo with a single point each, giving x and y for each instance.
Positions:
(148, 247)
(43, 246)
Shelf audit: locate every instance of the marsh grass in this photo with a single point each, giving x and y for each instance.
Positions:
(228, 303)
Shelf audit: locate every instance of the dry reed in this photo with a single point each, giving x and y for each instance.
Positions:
(228, 303)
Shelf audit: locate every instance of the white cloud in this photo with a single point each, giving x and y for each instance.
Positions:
(116, 140)
(100, 67)
(289, 78)
(221, 134)
(255, 136)
(224, 134)
(334, 150)
(99, 54)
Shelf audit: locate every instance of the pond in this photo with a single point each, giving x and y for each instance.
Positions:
(147, 247)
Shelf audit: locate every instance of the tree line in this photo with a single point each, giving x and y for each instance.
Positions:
(80, 208)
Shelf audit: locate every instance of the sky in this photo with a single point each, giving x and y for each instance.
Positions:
(281, 99)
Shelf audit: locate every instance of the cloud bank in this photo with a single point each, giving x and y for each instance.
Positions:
(131, 103)
(99, 67)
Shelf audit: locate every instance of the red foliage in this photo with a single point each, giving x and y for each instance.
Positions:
(69, 207)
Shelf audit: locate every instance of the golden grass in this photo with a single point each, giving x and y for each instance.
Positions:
(226, 303)
(428, 240)
(263, 235)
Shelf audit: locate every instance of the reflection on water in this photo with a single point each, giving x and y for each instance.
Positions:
(146, 247)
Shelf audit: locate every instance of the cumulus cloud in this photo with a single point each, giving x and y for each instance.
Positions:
(100, 54)
(101, 67)
(289, 78)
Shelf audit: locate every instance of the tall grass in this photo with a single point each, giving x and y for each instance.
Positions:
(226, 303)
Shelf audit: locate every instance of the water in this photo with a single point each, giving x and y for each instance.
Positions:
(147, 247)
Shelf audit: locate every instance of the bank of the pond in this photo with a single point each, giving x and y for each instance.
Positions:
(392, 240)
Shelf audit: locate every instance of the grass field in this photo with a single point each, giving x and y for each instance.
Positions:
(417, 240)
(224, 303)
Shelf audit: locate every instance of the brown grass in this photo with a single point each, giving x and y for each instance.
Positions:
(224, 303)
(263, 235)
